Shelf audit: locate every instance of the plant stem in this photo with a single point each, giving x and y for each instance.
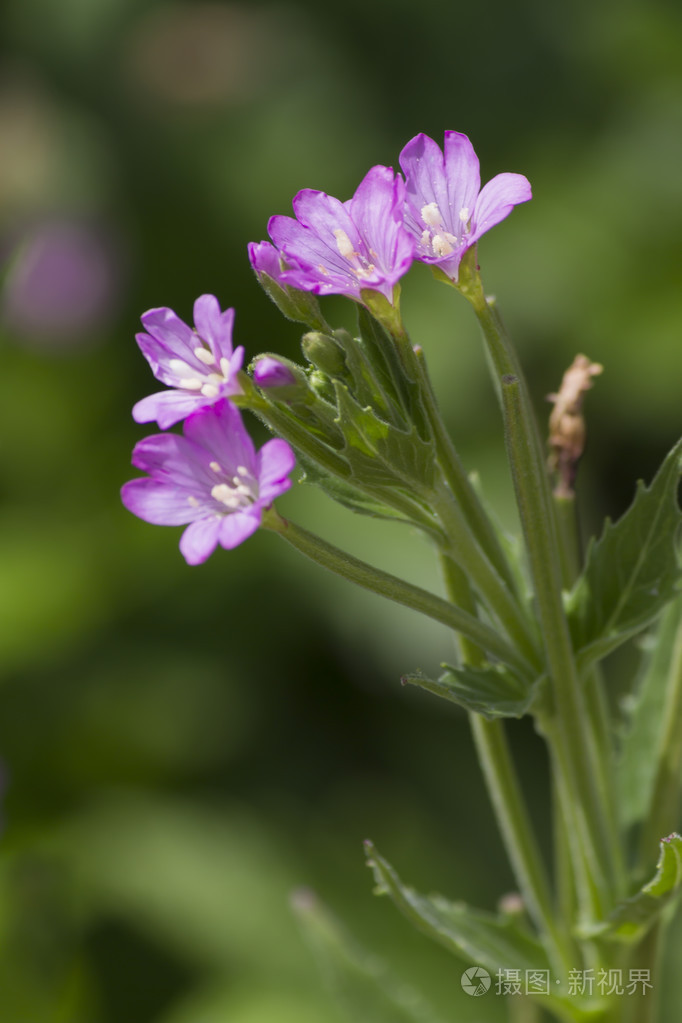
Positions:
(455, 475)
(505, 792)
(390, 586)
(577, 755)
(463, 549)
(595, 697)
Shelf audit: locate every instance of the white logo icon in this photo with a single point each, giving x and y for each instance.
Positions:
(475, 981)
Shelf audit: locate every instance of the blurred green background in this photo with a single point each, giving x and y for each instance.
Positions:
(182, 748)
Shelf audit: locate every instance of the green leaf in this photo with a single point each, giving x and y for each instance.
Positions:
(632, 571)
(478, 938)
(642, 735)
(346, 494)
(380, 453)
(632, 919)
(492, 690)
(363, 985)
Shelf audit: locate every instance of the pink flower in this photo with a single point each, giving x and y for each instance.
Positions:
(198, 364)
(341, 248)
(210, 479)
(447, 211)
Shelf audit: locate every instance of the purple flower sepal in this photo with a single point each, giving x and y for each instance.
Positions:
(297, 305)
(344, 248)
(447, 211)
(211, 479)
(271, 372)
(199, 365)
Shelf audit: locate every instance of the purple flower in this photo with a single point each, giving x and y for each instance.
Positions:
(447, 211)
(198, 364)
(211, 478)
(339, 248)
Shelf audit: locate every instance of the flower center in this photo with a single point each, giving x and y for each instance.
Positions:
(191, 378)
(234, 492)
(360, 266)
(435, 237)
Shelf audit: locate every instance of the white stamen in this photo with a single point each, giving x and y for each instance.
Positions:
(215, 466)
(426, 237)
(464, 214)
(190, 383)
(430, 214)
(179, 367)
(210, 390)
(225, 366)
(343, 244)
(193, 501)
(243, 471)
(441, 246)
(224, 493)
(203, 355)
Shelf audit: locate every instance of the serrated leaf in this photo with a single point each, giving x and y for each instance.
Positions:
(493, 690)
(380, 453)
(499, 943)
(632, 571)
(363, 985)
(632, 919)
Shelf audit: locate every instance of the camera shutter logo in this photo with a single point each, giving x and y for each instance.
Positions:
(475, 981)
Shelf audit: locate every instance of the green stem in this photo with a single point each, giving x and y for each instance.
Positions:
(460, 484)
(595, 696)
(464, 550)
(578, 756)
(390, 586)
(506, 794)
(455, 475)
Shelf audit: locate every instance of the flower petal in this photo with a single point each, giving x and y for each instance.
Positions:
(167, 407)
(314, 263)
(219, 430)
(167, 328)
(159, 502)
(213, 325)
(496, 201)
(264, 258)
(377, 211)
(200, 539)
(275, 461)
(462, 173)
(236, 528)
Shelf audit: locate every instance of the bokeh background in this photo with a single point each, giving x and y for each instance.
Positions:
(182, 748)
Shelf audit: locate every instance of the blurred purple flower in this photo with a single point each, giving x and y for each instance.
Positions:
(335, 247)
(269, 372)
(447, 211)
(211, 477)
(61, 281)
(199, 364)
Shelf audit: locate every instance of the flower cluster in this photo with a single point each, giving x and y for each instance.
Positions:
(433, 215)
(210, 478)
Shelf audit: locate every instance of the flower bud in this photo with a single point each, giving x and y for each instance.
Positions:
(269, 372)
(324, 353)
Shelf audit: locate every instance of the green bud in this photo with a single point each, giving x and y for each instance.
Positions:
(325, 354)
